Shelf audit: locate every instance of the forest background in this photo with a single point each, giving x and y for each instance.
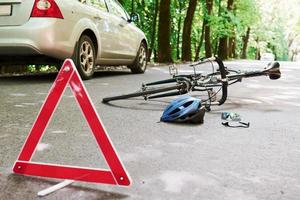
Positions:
(186, 30)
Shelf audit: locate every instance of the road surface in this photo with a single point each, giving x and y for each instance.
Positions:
(165, 161)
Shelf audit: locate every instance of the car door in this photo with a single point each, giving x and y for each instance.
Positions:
(96, 12)
(127, 40)
(102, 20)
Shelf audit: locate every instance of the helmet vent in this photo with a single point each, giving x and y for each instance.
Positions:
(175, 111)
(187, 104)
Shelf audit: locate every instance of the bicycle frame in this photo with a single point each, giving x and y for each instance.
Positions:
(195, 85)
(182, 84)
(187, 83)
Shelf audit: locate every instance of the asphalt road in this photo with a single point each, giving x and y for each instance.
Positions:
(165, 161)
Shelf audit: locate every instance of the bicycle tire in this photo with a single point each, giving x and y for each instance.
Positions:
(143, 93)
(223, 73)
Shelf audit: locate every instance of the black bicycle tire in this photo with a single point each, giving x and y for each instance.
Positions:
(223, 73)
(143, 93)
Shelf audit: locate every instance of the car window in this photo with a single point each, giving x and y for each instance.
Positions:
(100, 4)
(116, 9)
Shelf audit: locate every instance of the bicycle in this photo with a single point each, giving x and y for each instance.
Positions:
(183, 84)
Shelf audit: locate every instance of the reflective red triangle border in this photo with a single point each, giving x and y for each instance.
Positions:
(117, 174)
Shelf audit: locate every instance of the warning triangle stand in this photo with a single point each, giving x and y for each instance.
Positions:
(117, 175)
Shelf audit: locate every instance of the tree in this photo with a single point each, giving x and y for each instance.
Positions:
(179, 24)
(245, 44)
(187, 29)
(153, 31)
(223, 42)
(207, 36)
(164, 27)
(198, 48)
(132, 6)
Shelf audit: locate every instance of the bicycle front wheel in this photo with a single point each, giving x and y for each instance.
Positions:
(144, 93)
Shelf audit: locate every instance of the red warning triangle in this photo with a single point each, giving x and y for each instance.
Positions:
(116, 175)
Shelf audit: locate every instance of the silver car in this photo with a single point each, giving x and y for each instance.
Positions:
(91, 32)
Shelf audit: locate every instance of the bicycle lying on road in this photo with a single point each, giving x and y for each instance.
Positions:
(212, 83)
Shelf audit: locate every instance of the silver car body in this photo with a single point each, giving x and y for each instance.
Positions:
(39, 39)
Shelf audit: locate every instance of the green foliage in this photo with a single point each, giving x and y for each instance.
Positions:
(271, 31)
(266, 35)
(246, 14)
(41, 68)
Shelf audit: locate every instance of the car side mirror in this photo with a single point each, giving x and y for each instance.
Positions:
(134, 17)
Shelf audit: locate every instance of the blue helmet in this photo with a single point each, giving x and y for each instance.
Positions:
(184, 109)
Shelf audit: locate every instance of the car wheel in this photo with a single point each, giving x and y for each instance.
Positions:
(140, 63)
(85, 57)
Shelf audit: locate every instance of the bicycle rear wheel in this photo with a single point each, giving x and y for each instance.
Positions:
(148, 91)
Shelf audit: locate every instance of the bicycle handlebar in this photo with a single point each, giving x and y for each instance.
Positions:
(273, 71)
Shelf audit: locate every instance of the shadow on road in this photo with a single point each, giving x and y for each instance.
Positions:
(30, 78)
(160, 104)
(50, 77)
(101, 74)
(140, 104)
(21, 187)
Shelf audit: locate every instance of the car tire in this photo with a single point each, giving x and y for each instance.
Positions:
(140, 63)
(85, 57)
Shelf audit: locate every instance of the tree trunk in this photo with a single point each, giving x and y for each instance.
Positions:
(216, 42)
(179, 30)
(230, 5)
(223, 44)
(155, 55)
(198, 49)
(234, 55)
(209, 6)
(178, 39)
(164, 47)
(153, 33)
(245, 43)
(231, 48)
(142, 22)
(187, 29)
(257, 54)
(132, 6)
(222, 53)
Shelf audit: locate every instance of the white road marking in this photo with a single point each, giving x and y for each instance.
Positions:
(58, 132)
(20, 106)
(28, 104)
(42, 147)
(54, 188)
(18, 94)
